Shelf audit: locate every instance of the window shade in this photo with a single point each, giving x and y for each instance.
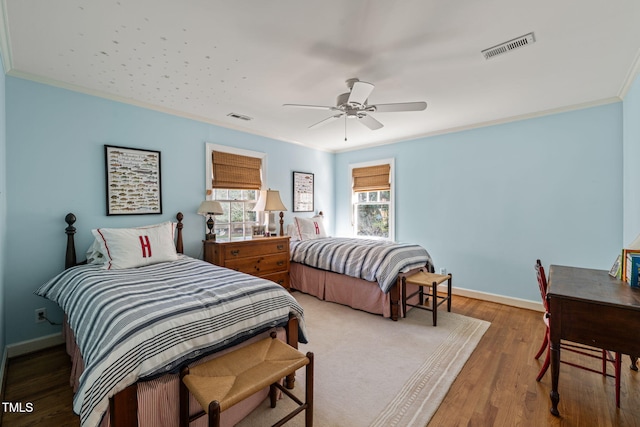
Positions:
(371, 178)
(236, 171)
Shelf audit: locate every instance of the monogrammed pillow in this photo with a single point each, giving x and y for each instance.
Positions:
(310, 228)
(135, 247)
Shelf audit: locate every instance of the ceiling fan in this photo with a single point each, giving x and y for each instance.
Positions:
(353, 105)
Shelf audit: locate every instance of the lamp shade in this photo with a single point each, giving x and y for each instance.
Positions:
(210, 207)
(269, 201)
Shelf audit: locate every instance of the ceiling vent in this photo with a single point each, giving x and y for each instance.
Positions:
(239, 117)
(505, 47)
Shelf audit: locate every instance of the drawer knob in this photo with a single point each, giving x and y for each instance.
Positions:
(280, 263)
(280, 247)
(235, 252)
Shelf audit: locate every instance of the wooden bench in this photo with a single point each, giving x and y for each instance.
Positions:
(222, 382)
(421, 279)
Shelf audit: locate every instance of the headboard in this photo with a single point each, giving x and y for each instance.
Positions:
(70, 256)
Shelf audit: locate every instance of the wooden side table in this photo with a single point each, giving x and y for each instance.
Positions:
(421, 279)
(266, 257)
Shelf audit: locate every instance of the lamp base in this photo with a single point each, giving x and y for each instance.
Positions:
(210, 236)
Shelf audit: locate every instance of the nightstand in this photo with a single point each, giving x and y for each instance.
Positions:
(266, 257)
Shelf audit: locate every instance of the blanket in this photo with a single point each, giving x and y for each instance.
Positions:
(373, 260)
(139, 323)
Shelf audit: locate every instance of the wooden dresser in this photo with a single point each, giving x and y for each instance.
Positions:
(264, 257)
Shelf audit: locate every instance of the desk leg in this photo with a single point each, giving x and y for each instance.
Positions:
(555, 375)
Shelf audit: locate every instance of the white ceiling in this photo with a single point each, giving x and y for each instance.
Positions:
(204, 59)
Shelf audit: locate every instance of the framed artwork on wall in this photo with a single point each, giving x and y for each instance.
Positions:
(133, 181)
(302, 192)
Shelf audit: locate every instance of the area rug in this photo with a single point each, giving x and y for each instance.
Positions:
(371, 371)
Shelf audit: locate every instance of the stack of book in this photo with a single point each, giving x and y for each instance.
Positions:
(627, 265)
(632, 268)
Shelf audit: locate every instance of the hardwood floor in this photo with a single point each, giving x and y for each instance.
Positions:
(497, 386)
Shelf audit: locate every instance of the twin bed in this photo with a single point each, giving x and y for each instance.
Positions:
(362, 274)
(137, 310)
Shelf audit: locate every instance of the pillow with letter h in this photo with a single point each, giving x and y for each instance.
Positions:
(309, 228)
(136, 247)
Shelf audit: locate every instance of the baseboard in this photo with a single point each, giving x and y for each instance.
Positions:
(29, 346)
(500, 299)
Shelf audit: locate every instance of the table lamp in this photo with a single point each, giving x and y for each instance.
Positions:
(210, 207)
(269, 201)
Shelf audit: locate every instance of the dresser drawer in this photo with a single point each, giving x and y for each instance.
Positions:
(261, 247)
(281, 278)
(260, 265)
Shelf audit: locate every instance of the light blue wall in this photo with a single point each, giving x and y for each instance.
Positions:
(55, 165)
(3, 207)
(631, 222)
(487, 202)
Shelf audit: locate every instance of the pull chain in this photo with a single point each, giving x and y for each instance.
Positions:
(345, 127)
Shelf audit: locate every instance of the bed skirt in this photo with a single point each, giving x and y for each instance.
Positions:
(158, 399)
(346, 290)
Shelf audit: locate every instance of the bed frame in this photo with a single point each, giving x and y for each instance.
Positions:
(123, 407)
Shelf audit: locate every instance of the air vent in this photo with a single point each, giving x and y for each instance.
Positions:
(505, 47)
(239, 117)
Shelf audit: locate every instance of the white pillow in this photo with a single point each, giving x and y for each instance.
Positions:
(310, 228)
(135, 247)
(292, 232)
(94, 253)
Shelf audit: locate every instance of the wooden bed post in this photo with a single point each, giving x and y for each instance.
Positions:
(70, 257)
(123, 407)
(292, 340)
(394, 299)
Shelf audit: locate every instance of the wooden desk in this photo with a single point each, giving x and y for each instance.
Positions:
(590, 307)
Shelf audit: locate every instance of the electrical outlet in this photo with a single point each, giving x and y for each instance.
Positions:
(41, 314)
(443, 271)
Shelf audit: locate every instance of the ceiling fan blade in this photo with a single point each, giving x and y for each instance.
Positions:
(315, 107)
(400, 106)
(360, 92)
(370, 122)
(325, 121)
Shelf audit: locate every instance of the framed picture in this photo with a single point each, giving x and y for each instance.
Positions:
(257, 230)
(302, 192)
(133, 181)
(615, 268)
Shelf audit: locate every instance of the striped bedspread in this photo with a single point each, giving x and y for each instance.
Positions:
(140, 323)
(373, 260)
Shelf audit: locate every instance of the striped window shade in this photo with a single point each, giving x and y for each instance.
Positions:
(234, 171)
(371, 178)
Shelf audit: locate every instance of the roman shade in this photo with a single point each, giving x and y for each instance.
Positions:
(236, 171)
(371, 178)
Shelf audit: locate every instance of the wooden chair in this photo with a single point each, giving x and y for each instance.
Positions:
(592, 352)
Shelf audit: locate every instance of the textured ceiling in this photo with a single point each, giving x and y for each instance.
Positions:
(205, 59)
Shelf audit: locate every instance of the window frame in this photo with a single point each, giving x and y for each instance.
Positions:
(354, 201)
(209, 149)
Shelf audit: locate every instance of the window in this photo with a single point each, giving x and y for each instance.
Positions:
(372, 200)
(234, 178)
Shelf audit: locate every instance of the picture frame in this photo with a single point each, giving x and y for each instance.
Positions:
(133, 181)
(615, 268)
(257, 231)
(303, 192)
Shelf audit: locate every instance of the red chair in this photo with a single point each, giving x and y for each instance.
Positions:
(597, 353)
